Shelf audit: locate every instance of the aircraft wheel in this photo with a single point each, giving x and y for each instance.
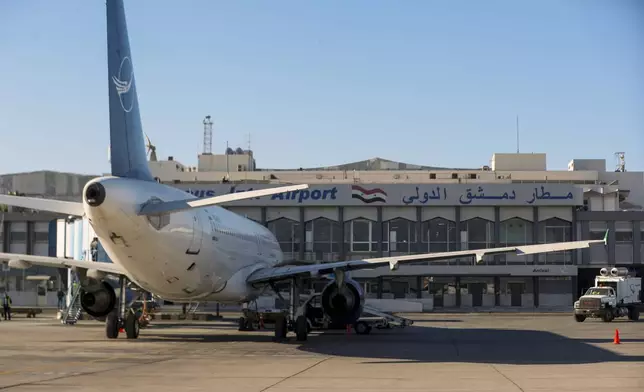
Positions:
(362, 328)
(112, 326)
(132, 326)
(280, 329)
(301, 328)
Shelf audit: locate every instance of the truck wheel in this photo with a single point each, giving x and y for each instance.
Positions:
(580, 318)
(633, 314)
(607, 316)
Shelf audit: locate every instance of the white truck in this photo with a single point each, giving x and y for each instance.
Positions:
(615, 294)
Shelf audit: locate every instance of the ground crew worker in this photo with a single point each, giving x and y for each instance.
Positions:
(94, 249)
(61, 297)
(6, 306)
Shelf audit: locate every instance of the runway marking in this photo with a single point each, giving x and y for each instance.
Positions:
(129, 365)
(41, 369)
(296, 374)
(507, 378)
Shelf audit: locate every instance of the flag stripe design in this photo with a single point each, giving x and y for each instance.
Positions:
(368, 195)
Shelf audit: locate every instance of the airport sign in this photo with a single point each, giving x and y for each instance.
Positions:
(400, 194)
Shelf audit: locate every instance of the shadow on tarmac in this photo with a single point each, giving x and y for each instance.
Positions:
(430, 344)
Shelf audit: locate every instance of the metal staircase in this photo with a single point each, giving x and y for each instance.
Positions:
(193, 306)
(73, 312)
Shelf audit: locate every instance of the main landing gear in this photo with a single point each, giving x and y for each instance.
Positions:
(122, 319)
(296, 320)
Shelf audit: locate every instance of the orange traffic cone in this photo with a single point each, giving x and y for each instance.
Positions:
(616, 338)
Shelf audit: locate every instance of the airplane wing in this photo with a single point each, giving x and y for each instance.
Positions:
(267, 275)
(180, 205)
(21, 261)
(35, 203)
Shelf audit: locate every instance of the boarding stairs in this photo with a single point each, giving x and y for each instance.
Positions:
(192, 307)
(73, 312)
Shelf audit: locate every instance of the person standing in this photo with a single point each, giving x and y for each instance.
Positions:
(6, 306)
(61, 297)
(94, 249)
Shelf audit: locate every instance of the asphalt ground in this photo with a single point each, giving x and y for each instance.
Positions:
(440, 352)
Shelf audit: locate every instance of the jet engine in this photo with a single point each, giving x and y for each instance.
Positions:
(343, 305)
(98, 300)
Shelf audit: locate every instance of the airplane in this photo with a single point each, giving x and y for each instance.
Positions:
(181, 248)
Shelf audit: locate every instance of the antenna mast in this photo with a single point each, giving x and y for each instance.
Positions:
(621, 161)
(207, 135)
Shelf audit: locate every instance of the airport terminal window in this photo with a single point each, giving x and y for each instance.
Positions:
(597, 229)
(323, 236)
(359, 235)
(555, 230)
(480, 233)
(397, 235)
(623, 232)
(18, 236)
(438, 235)
(515, 231)
(287, 232)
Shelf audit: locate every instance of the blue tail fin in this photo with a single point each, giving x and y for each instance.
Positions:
(127, 147)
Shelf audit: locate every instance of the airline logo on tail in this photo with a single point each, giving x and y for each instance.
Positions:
(123, 86)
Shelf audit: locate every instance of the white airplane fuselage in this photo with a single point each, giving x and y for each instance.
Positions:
(197, 254)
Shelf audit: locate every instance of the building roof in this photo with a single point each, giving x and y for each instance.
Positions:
(376, 163)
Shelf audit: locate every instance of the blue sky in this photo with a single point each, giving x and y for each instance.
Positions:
(328, 82)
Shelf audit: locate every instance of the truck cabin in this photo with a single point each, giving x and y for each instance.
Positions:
(607, 284)
(604, 291)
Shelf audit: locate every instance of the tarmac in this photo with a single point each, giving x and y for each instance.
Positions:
(440, 352)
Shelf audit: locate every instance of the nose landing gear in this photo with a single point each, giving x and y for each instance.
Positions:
(122, 319)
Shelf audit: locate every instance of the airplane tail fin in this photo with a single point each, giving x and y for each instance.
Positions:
(127, 147)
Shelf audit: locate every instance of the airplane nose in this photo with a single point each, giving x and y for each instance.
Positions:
(95, 194)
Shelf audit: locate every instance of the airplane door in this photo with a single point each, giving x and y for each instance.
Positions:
(195, 243)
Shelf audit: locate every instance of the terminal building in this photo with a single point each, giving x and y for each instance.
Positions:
(380, 208)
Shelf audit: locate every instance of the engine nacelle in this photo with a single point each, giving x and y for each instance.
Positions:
(343, 306)
(98, 300)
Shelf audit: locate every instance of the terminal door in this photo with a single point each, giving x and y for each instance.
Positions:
(476, 290)
(195, 243)
(516, 290)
